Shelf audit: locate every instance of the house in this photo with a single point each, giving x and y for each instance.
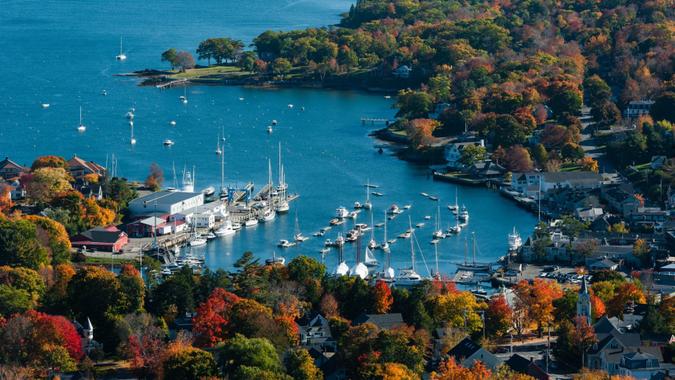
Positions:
(522, 365)
(166, 202)
(486, 170)
(382, 321)
(589, 214)
(78, 168)
(648, 216)
(109, 239)
(467, 353)
(159, 224)
(620, 198)
(531, 184)
(453, 151)
(10, 170)
(604, 264)
(402, 71)
(644, 365)
(637, 108)
(666, 274)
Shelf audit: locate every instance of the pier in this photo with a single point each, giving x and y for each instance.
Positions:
(374, 120)
(172, 83)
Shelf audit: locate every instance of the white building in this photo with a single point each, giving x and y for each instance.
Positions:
(453, 152)
(204, 220)
(530, 183)
(165, 202)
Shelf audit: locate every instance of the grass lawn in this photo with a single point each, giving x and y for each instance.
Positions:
(211, 71)
(570, 168)
(107, 260)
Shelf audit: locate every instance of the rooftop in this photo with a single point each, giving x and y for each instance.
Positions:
(165, 197)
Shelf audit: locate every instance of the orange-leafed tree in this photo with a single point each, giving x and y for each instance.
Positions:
(329, 306)
(517, 159)
(382, 298)
(213, 317)
(451, 370)
(49, 162)
(583, 336)
(155, 177)
(536, 300)
(95, 215)
(623, 294)
(420, 131)
(589, 164)
(597, 307)
(5, 198)
(498, 316)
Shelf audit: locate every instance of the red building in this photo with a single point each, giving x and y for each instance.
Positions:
(108, 239)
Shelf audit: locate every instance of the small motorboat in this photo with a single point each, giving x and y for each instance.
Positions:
(275, 260)
(378, 225)
(394, 210)
(104, 92)
(172, 123)
(251, 222)
(357, 205)
(210, 236)
(427, 217)
(377, 193)
(236, 226)
(433, 198)
(424, 195)
(197, 241)
(434, 241)
(241, 99)
(269, 129)
(168, 142)
(341, 212)
(274, 122)
(372, 244)
(336, 222)
(290, 106)
(283, 243)
(419, 225)
(318, 234)
(45, 105)
(299, 237)
(407, 207)
(353, 215)
(323, 251)
(225, 230)
(405, 235)
(391, 241)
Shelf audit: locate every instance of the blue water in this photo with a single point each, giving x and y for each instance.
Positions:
(62, 52)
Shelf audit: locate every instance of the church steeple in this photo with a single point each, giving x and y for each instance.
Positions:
(584, 302)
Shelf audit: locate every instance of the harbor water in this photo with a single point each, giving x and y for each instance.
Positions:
(63, 53)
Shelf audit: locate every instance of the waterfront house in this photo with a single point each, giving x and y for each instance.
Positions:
(402, 71)
(78, 168)
(10, 170)
(467, 352)
(382, 321)
(167, 202)
(522, 365)
(532, 183)
(108, 239)
(486, 169)
(453, 151)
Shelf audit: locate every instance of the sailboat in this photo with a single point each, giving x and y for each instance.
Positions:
(132, 140)
(81, 128)
(370, 259)
(367, 204)
(299, 237)
(438, 233)
(474, 266)
(275, 259)
(457, 228)
(464, 214)
(218, 150)
(121, 56)
(183, 98)
(372, 244)
(409, 277)
(385, 243)
(269, 214)
(282, 204)
(360, 269)
(342, 268)
(454, 207)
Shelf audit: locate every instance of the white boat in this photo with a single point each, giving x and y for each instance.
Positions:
(385, 244)
(299, 237)
(290, 106)
(132, 139)
(336, 222)
(183, 98)
(210, 236)
(274, 122)
(283, 243)
(323, 251)
(172, 123)
(104, 92)
(394, 210)
(269, 129)
(408, 277)
(251, 222)
(353, 215)
(197, 241)
(357, 205)
(283, 205)
(45, 105)
(457, 228)
(130, 115)
(275, 259)
(427, 217)
(121, 56)
(369, 259)
(81, 128)
(168, 142)
(515, 242)
(318, 233)
(438, 232)
(359, 270)
(377, 194)
(391, 241)
(424, 194)
(268, 216)
(419, 225)
(464, 214)
(405, 235)
(225, 230)
(454, 207)
(218, 150)
(341, 212)
(434, 241)
(367, 204)
(407, 207)
(236, 226)
(433, 198)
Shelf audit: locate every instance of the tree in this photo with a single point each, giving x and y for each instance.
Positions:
(472, 154)
(184, 61)
(382, 298)
(420, 132)
(440, 86)
(498, 316)
(451, 370)
(517, 159)
(508, 131)
(414, 104)
(589, 164)
(132, 288)
(142, 341)
(624, 293)
(210, 324)
(565, 99)
(664, 107)
(329, 306)
(19, 245)
(54, 162)
(247, 61)
(391, 371)
(171, 56)
(536, 300)
(281, 66)
(185, 362)
(155, 178)
(303, 269)
(46, 183)
(456, 309)
(606, 113)
(20, 289)
(53, 236)
(597, 91)
(241, 352)
(540, 154)
(5, 199)
(300, 365)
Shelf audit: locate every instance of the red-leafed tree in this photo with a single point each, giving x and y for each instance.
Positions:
(597, 307)
(536, 300)
(213, 317)
(382, 298)
(62, 330)
(499, 316)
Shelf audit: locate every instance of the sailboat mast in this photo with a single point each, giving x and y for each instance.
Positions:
(412, 246)
(372, 226)
(281, 180)
(222, 169)
(436, 254)
(474, 247)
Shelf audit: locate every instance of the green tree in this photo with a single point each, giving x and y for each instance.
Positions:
(189, 363)
(303, 268)
(247, 61)
(249, 352)
(414, 104)
(597, 91)
(472, 154)
(19, 245)
(300, 365)
(170, 56)
(281, 66)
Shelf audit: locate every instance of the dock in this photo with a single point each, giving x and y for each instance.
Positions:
(374, 120)
(172, 83)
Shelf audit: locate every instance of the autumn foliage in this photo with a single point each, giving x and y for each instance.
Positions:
(382, 298)
(536, 300)
(213, 317)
